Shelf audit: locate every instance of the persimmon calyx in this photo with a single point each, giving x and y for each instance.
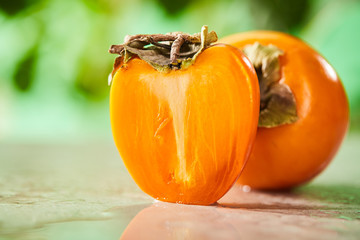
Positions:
(164, 52)
(277, 101)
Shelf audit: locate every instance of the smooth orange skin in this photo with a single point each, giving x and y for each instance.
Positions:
(185, 135)
(290, 155)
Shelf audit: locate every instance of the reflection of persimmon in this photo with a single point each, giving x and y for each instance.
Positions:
(239, 215)
(288, 155)
(185, 135)
(173, 221)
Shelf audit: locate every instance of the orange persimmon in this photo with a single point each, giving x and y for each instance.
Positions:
(289, 154)
(184, 134)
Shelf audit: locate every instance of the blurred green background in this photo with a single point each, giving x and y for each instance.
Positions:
(54, 61)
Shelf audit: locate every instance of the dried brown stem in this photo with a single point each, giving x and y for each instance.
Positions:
(175, 48)
(147, 37)
(116, 49)
(164, 52)
(176, 40)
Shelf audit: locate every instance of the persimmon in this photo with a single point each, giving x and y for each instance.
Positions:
(183, 114)
(304, 110)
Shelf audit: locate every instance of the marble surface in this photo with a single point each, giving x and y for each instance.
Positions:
(83, 191)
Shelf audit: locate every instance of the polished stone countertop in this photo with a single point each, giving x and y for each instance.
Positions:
(83, 191)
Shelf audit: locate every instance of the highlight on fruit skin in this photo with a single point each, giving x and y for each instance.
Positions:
(183, 128)
(304, 124)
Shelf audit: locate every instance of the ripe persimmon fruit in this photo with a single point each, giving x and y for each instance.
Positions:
(183, 114)
(303, 110)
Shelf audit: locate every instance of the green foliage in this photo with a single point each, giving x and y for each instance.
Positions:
(54, 57)
(13, 7)
(173, 7)
(281, 15)
(24, 73)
